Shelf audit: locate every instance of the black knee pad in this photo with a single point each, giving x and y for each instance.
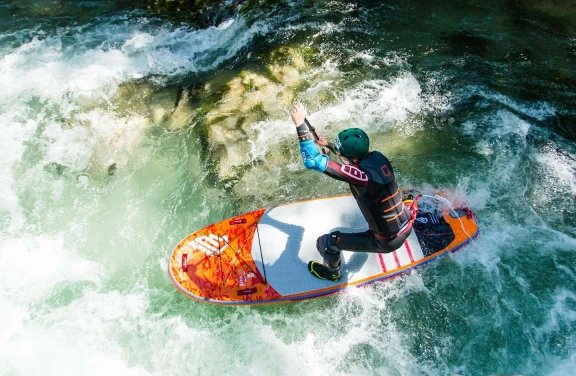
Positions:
(327, 246)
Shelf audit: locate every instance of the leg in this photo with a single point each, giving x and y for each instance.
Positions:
(330, 246)
(368, 241)
(327, 247)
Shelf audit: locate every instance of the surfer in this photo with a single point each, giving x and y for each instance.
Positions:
(371, 179)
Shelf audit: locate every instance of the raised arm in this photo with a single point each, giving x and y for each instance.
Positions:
(313, 159)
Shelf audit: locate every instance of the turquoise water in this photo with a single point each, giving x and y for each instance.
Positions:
(115, 146)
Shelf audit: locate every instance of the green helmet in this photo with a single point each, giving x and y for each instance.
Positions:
(352, 142)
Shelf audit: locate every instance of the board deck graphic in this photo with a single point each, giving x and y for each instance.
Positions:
(261, 257)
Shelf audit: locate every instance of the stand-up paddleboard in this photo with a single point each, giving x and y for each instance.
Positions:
(261, 257)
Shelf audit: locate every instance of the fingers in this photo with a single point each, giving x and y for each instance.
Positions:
(299, 107)
(298, 114)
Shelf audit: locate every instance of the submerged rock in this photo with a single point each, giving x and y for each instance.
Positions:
(250, 98)
(100, 135)
(229, 113)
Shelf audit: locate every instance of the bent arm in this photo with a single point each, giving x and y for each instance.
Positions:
(311, 156)
(314, 160)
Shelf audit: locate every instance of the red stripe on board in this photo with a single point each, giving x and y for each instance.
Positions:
(396, 259)
(409, 251)
(382, 262)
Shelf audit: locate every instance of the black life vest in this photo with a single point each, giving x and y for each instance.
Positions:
(381, 201)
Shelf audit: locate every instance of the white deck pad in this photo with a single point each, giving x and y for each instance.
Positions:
(288, 236)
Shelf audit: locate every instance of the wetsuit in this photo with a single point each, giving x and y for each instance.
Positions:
(373, 186)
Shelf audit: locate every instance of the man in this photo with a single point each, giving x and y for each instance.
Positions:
(372, 183)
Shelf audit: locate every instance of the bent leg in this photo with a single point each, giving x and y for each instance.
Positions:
(397, 242)
(368, 241)
(328, 248)
(326, 245)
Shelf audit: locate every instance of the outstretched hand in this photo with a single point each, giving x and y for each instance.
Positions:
(298, 114)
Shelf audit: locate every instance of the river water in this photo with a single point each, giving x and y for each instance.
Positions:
(107, 161)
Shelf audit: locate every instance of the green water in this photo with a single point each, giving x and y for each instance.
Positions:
(116, 145)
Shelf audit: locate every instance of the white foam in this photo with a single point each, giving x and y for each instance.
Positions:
(396, 58)
(383, 336)
(483, 250)
(538, 110)
(15, 133)
(267, 134)
(561, 169)
(52, 76)
(507, 125)
(477, 198)
(560, 316)
(502, 136)
(374, 105)
(81, 338)
(47, 68)
(375, 101)
(324, 28)
(32, 265)
(72, 147)
(97, 139)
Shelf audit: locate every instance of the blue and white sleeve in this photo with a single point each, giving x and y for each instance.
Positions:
(312, 158)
